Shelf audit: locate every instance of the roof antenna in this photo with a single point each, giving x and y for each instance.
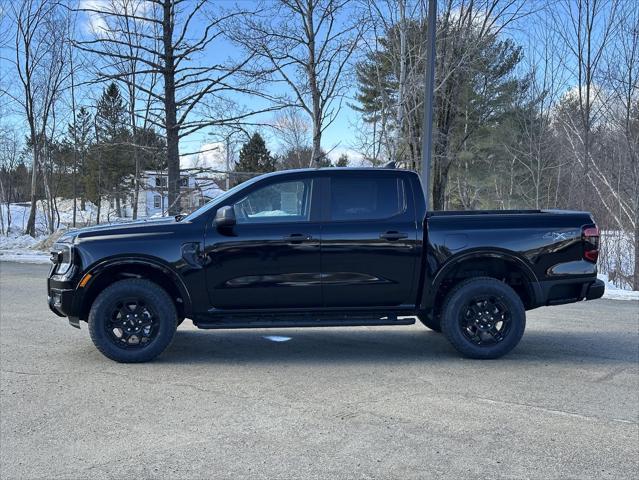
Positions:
(390, 164)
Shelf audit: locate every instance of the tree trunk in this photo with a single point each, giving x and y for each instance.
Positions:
(399, 128)
(172, 128)
(316, 154)
(136, 182)
(635, 278)
(30, 229)
(440, 181)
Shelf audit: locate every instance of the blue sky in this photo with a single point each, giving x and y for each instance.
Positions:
(339, 136)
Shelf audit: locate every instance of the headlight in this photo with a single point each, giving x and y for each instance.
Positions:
(62, 257)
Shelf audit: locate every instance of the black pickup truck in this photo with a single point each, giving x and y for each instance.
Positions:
(323, 247)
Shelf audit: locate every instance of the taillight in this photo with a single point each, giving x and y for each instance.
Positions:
(590, 236)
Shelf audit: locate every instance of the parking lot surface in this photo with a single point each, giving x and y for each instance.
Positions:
(384, 402)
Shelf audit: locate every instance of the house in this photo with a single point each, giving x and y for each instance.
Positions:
(195, 190)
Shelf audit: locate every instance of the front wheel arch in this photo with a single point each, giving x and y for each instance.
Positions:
(106, 274)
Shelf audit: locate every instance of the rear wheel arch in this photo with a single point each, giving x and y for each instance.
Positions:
(107, 273)
(499, 265)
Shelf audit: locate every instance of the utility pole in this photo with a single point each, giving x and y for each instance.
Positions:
(429, 83)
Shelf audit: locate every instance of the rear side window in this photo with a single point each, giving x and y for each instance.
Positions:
(370, 198)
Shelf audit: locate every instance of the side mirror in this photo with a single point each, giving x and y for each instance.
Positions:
(225, 217)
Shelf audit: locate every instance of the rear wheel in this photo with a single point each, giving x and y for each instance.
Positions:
(132, 321)
(483, 318)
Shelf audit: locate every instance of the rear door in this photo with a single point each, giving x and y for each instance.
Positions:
(369, 239)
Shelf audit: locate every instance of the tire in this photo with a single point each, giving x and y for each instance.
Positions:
(147, 304)
(431, 321)
(483, 318)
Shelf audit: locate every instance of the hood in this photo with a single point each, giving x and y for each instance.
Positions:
(123, 228)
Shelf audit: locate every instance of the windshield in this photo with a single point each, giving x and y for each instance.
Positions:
(217, 200)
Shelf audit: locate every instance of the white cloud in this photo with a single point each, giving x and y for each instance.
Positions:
(93, 22)
(212, 156)
(96, 22)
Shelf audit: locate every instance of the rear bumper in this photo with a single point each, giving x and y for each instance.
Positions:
(595, 290)
(557, 292)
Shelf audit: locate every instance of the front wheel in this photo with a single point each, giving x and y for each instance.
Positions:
(132, 321)
(483, 318)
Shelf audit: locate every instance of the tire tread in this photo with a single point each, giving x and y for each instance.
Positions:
(162, 303)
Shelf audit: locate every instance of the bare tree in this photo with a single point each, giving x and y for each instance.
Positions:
(40, 64)
(294, 134)
(305, 45)
(9, 161)
(170, 49)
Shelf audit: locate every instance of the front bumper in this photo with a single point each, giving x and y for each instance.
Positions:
(61, 298)
(60, 301)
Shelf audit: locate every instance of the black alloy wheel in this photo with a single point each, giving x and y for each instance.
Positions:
(483, 318)
(132, 321)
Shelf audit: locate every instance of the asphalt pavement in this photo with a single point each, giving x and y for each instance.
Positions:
(383, 402)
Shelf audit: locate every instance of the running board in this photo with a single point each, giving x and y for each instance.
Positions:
(301, 322)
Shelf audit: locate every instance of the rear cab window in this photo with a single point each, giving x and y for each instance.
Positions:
(367, 197)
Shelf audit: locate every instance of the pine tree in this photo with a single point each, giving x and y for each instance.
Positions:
(79, 138)
(114, 142)
(255, 158)
(478, 87)
(342, 161)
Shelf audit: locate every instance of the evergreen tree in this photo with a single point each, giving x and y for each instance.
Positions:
(79, 138)
(301, 157)
(342, 161)
(114, 143)
(254, 158)
(477, 91)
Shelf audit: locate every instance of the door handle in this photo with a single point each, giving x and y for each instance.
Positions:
(393, 235)
(297, 238)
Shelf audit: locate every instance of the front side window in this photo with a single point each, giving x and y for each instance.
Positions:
(372, 198)
(279, 202)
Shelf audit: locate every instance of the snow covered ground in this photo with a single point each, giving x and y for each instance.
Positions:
(613, 292)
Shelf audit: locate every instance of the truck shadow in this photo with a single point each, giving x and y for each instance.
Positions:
(355, 345)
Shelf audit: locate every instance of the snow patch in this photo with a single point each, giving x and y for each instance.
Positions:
(613, 292)
(24, 256)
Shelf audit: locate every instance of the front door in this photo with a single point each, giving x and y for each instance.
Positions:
(271, 257)
(369, 240)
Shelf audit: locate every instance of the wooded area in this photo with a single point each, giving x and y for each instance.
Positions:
(536, 102)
